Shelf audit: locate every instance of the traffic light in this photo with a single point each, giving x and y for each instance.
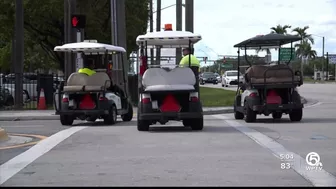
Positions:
(205, 59)
(224, 60)
(78, 21)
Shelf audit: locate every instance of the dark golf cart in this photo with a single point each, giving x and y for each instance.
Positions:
(268, 89)
(96, 96)
(168, 94)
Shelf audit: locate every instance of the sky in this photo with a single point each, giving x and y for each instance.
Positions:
(224, 23)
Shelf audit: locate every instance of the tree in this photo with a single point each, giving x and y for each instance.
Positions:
(304, 50)
(44, 24)
(279, 29)
(302, 32)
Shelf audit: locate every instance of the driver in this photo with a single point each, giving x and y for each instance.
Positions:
(185, 60)
(89, 66)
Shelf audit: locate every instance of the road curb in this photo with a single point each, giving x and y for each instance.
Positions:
(3, 135)
(214, 111)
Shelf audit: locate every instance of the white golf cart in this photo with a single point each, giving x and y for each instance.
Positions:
(166, 95)
(96, 96)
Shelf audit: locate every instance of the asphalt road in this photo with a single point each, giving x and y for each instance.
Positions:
(226, 153)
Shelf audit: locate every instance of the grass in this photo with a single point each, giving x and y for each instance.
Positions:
(212, 97)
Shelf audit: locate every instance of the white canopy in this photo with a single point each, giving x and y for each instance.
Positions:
(169, 39)
(88, 47)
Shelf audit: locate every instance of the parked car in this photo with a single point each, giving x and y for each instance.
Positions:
(219, 78)
(231, 78)
(208, 77)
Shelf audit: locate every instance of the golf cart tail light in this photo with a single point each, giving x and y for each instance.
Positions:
(65, 100)
(253, 95)
(102, 98)
(145, 100)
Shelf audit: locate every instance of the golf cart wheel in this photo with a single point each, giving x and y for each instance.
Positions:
(296, 115)
(129, 115)
(238, 115)
(143, 125)
(251, 116)
(186, 122)
(197, 124)
(222, 85)
(277, 115)
(111, 118)
(66, 120)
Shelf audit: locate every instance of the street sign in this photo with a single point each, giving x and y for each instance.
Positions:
(285, 54)
(332, 59)
(227, 66)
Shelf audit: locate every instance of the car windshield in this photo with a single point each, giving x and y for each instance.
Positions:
(206, 75)
(232, 73)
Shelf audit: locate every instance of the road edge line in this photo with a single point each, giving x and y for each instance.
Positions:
(318, 178)
(19, 162)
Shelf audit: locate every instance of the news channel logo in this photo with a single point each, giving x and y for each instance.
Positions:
(313, 161)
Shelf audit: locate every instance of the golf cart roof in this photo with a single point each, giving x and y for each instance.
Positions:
(271, 40)
(89, 47)
(169, 39)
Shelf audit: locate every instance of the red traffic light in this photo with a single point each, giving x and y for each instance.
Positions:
(78, 21)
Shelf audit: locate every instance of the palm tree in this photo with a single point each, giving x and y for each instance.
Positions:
(303, 34)
(304, 50)
(279, 29)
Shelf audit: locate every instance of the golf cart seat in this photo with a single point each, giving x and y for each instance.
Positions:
(275, 74)
(75, 82)
(178, 79)
(97, 82)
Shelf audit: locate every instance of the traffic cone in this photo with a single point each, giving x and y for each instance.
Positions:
(42, 101)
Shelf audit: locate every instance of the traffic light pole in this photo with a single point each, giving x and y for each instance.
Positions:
(79, 60)
(19, 53)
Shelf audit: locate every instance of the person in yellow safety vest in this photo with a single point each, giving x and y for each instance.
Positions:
(89, 65)
(193, 60)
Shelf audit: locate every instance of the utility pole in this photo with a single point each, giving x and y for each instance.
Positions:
(19, 53)
(178, 28)
(114, 34)
(158, 28)
(151, 28)
(189, 15)
(327, 77)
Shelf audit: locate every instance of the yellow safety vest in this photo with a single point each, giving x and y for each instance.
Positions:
(87, 71)
(193, 61)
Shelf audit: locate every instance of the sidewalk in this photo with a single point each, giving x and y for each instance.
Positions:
(26, 115)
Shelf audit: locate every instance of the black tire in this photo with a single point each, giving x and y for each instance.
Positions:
(277, 115)
(143, 125)
(197, 124)
(66, 120)
(186, 122)
(251, 116)
(129, 115)
(222, 85)
(238, 115)
(111, 118)
(296, 115)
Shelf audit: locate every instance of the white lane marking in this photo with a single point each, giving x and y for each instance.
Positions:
(316, 104)
(18, 126)
(317, 178)
(16, 164)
